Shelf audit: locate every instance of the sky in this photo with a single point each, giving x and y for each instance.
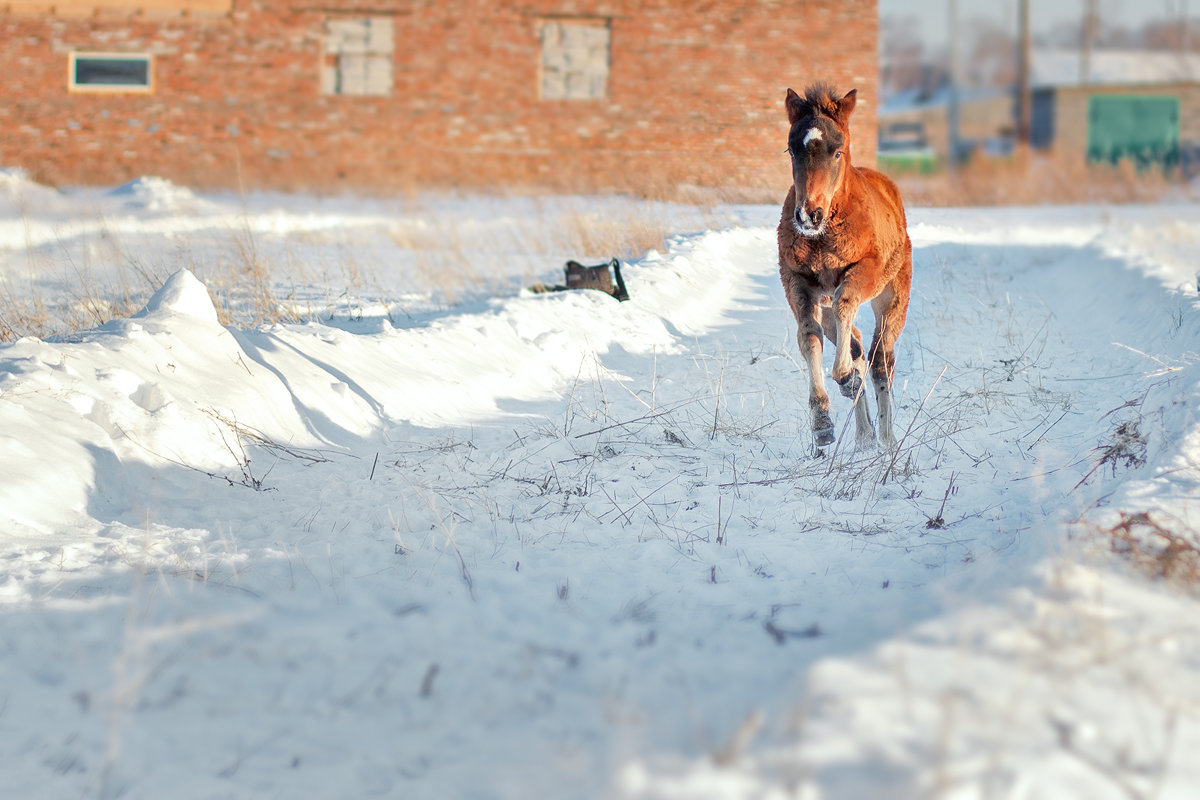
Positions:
(934, 14)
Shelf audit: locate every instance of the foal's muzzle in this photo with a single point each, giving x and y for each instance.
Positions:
(810, 224)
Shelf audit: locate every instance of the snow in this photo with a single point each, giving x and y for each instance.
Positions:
(552, 545)
(158, 195)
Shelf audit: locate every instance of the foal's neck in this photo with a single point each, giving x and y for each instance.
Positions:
(838, 208)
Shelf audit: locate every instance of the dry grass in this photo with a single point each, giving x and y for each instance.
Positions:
(767, 191)
(86, 304)
(1038, 179)
(1155, 544)
(245, 281)
(625, 229)
(451, 256)
(449, 260)
(628, 235)
(1126, 448)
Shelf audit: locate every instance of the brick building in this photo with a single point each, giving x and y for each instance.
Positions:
(638, 95)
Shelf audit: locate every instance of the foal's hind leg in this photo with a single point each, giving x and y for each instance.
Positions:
(891, 308)
(864, 431)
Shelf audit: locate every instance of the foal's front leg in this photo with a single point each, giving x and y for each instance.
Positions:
(864, 429)
(860, 284)
(808, 336)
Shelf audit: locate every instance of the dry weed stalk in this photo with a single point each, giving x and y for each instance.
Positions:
(1147, 540)
(254, 436)
(1126, 447)
(625, 235)
(21, 316)
(257, 273)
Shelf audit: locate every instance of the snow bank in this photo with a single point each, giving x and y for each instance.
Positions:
(560, 546)
(164, 385)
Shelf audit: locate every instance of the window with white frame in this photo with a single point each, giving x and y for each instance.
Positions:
(575, 59)
(358, 56)
(111, 72)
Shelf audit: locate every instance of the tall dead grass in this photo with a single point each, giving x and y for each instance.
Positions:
(452, 256)
(242, 285)
(627, 235)
(1040, 179)
(1154, 543)
(85, 303)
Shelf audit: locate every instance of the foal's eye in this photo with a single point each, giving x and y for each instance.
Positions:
(838, 154)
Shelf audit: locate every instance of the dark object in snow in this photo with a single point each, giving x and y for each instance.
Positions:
(598, 277)
(781, 635)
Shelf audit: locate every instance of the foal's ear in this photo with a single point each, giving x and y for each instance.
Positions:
(846, 105)
(797, 108)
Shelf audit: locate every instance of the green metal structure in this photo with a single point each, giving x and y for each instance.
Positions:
(1141, 127)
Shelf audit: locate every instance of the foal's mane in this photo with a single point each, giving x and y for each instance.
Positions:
(822, 98)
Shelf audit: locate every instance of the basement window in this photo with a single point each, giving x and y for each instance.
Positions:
(358, 56)
(110, 72)
(575, 59)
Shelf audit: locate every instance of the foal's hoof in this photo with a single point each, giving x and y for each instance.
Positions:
(851, 385)
(822, 427)
(866, 442)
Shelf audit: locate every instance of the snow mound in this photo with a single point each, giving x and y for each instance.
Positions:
(149, 193)
(172, 388)
(14, 180)
(20, 194)
(184, 294)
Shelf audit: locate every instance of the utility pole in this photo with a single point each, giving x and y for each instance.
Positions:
(1090, 21)
(952, 118)
(1185, 44)
(1024, 98)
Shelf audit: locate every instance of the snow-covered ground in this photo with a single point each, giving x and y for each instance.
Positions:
(551, 545)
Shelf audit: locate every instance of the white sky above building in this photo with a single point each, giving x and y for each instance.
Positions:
(934, 14)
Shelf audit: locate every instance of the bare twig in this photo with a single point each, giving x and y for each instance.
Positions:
(900, 445)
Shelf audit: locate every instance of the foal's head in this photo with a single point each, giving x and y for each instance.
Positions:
(819, 144)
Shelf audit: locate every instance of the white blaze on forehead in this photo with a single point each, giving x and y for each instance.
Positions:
(813, 133)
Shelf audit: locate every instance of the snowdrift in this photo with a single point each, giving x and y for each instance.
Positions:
(560, 546)
(172, 385)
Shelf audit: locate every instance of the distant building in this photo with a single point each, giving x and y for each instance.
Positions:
(985, 120)
(1115, 104)
(1105, 106)
(639, 95)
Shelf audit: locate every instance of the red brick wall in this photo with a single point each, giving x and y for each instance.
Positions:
(695, 95)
